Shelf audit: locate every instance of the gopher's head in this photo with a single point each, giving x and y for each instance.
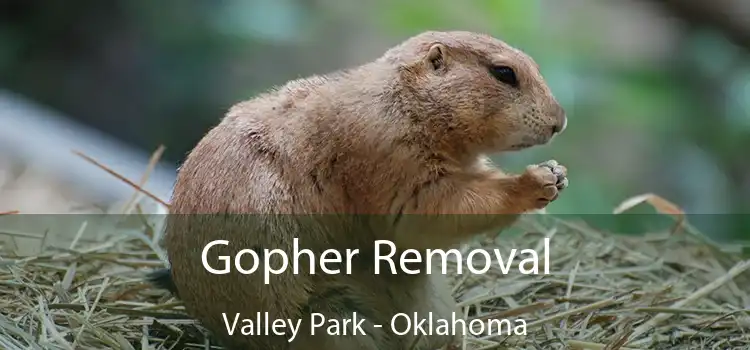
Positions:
(476, 90)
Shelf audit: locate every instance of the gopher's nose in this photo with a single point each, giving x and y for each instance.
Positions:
(560, 127)
(562, 121)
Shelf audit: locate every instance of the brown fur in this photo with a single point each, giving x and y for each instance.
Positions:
(405, 134)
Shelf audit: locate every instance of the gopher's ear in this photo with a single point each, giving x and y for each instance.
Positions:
(436, 56)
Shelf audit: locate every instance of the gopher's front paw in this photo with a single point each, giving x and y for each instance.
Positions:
(542, 183)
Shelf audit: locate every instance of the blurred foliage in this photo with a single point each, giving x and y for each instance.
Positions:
(164, 73)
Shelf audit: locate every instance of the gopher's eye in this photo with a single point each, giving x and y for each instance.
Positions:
(504, 74)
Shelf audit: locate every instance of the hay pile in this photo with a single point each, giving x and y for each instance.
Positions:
(655, 291)
(661, 291)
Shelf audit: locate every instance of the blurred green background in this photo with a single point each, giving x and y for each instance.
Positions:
(657, 92)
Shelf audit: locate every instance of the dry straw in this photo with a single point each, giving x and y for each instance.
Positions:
(671, 290)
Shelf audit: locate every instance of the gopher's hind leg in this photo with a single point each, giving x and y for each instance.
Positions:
(429, 296)
(337, 333)
(339, 319)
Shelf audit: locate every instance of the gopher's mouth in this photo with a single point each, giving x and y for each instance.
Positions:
(531, 141)
(520, 146)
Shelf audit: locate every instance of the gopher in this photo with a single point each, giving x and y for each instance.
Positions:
(395, 149)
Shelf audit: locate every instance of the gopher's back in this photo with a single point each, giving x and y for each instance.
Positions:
(314, 145)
